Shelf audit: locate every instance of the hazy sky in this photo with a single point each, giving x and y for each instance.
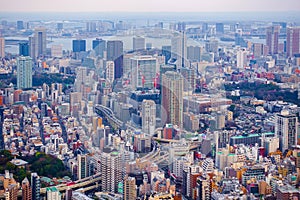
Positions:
(148, 5)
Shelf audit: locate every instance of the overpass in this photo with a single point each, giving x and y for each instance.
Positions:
(109, 115)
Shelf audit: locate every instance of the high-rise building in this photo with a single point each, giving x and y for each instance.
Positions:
(272, 37)
(35, 186)
(91, 26)
(143, 71)
(53, 193)
(26, 190)
(2, 47)
(115, 53)
(111, 170)
(79, 45)
(1, 127)
(60, 26)
(138, 43)
(38, 43)
(11, 192)
(99, 46)
(23, 49)
(110, 71)
(172, 98)
(82, 166)
(24, 72)
(286, 128)
(20, 25)
(193, 53)
(219, 28)
(130, 188)
(148, 116)
(166, 51)
(178, 49)
(204, 188)
(258, 50)
(293, 41)
(241, 58)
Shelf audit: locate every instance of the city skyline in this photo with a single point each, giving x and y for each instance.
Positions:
(153, 6)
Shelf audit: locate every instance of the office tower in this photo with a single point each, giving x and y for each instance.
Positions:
(110, 71)
(180, 27)
(79, 45)
(272, 36)
(20, 25)
(143, 71)
(178, 49)
(23, 49)
(241, 58)
(193, 53)
(24, 72)
(81, 78)
(148, 116)
(166, 51)
(258, 50)
(172, 98)
(26, 189)
(138, 43)
(204, 27)
(130, 188)
(39, 42)
(111, 170)
(56, 51)
(2, 47)
(60, 26)
(212, 46)
(189, 75)
(53, 193)
(82, 166)
(99, 46)
(219, 28)
(1, 128)
(115, 53)
(35, 186)
(293, 41)
(286, 128)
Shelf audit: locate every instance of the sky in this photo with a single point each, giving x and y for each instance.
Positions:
(149, 5)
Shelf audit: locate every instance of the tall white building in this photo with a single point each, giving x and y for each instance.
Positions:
(110, 71)
(24, 72)
(179, 49)
(2, 47)
(111, 168)
(286, 128)
(143, 71)
(241, 58)
(148, 116)
(53, 193)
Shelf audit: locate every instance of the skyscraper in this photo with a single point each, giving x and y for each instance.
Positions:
(2, 47)
(35, 186)
(293, 41)
(110, 71)
(178, 49)
(20, 25)
(258, 50)
(111, 170)
(272, 36)
(143, 71)
(166, 51)
(24, 72)
(286, 128)
(138, 43)
(26, 190)
(1, 127)
(219, 28)
(148, 116)
(40, 43)
(23, 49)
(130, 188)
(82, 166)
(79, 45)
(115, 53)
(99, 46)
(172, 98)
(241, 58)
